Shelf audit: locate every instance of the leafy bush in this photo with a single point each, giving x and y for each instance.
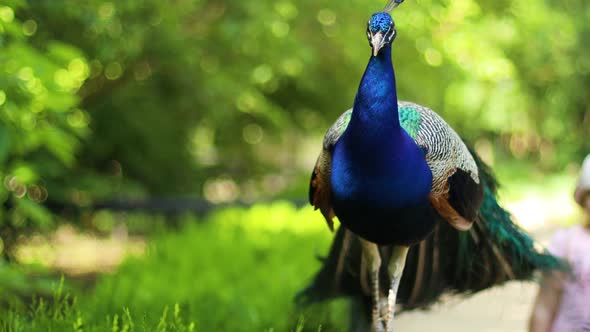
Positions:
(41, 126)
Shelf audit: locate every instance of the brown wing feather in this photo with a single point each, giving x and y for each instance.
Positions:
(443, 207)
(320, 190)
(459, 203)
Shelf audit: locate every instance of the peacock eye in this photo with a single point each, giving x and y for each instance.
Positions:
(368, 34)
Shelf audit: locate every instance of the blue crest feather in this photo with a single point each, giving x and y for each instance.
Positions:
(380, 22)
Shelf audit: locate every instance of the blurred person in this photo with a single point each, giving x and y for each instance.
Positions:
(563, 302)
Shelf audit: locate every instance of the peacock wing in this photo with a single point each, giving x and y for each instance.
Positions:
(456, 189)
(492, 252)
(320, 188)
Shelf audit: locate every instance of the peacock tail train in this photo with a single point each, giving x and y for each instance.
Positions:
(494, 251)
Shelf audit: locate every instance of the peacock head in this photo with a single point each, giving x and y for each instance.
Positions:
(380, 31)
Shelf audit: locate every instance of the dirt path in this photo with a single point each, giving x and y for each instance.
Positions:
(502, 309)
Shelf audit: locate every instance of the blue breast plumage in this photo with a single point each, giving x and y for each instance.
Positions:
(380, 178)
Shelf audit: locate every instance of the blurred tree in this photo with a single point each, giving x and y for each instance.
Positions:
(226, 98)
(41, 126)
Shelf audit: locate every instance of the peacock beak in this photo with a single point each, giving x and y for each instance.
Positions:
(377, 42)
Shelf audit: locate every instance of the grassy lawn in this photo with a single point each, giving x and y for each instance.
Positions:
(238, 271)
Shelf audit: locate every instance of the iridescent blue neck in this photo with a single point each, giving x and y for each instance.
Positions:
(375, 160)
(375, 113)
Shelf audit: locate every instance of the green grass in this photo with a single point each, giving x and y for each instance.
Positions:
(239, 271)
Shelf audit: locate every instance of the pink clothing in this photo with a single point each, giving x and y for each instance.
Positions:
(573, 244)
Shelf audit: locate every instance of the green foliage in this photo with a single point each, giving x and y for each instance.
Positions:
(19, 281)
(174, 101)
(226, 272)
(62, 314)
(186, 96)
(41, 126)
(237, 271)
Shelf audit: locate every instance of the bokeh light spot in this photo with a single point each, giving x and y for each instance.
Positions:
(286, 9)
(142, 71)
(433, 57)
(262, 74)
(220, 190)
(10, 182)
(106, 10)
(25, 74)
(6, 14)
(20, 190)
(62, 78)
(37, 193)
(29, 27)
(113, 71)
(252, 133)
(246, 102)
(330, 31)
(35, 86)
(78, 119)
(203, 145)
(280, 29)
(79, 69)
(326, 17)
(292, 67)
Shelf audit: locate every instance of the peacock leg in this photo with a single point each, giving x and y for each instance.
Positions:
(395, 270)
(373, 259)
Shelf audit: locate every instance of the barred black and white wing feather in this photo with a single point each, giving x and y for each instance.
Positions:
(456, 189)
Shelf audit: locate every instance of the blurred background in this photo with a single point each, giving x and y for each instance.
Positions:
(155, 155)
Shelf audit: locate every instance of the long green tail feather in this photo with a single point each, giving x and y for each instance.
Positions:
(524, 254)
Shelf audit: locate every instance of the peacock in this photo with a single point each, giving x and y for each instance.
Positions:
(417, 206)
